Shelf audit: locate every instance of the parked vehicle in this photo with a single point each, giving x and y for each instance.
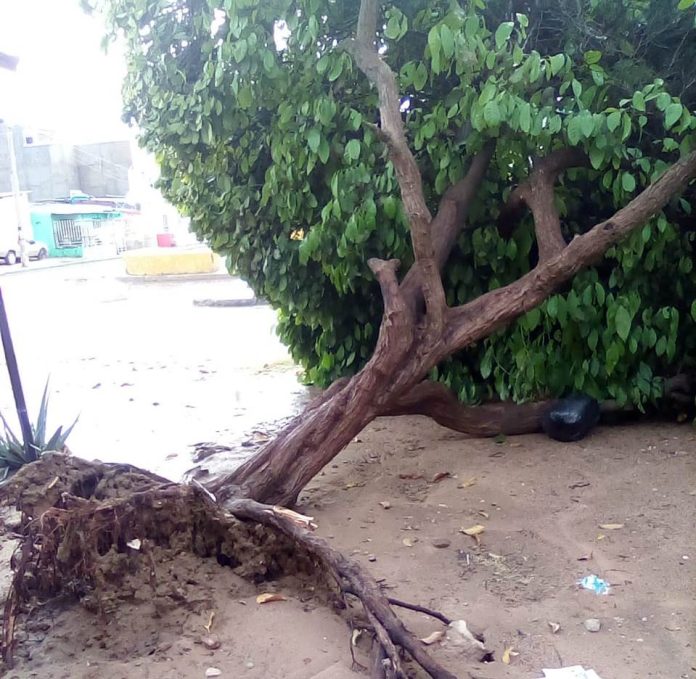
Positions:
(36, 249)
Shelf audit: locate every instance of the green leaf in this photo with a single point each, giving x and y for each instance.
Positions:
(672, 113)
(393, 29)
(596, 157)
(574, 131)
(420, 77)
(638, 101)
(434, 42)
(245, 98)
(693, 309)
(447, 41)
(313, 139)
(577, 88)
(663, 100)
(628, 182)
(557, 62)
(592, 57)
(503, 33)
(336, 69)
(623, 322)
(685, 4)
(353, 149)
(586, 124)
(491, 113)
(525, 118)
(486, 366)
(613, 120)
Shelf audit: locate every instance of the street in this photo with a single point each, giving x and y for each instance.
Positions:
(148, 372)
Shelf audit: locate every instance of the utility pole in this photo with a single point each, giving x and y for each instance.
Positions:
(14, 183)
(10, 63)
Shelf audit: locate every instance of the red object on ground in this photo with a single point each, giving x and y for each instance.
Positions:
(165, 240)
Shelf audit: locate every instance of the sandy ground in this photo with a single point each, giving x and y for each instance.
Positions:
(149, 373)
(542, 505)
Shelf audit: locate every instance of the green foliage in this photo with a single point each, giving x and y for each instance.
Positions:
(270, 147)
(12, 450)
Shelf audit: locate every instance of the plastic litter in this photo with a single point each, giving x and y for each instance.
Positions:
(594, 584)
(574, 672)
(571, 418)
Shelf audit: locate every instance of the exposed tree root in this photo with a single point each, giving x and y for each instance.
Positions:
(87, 526)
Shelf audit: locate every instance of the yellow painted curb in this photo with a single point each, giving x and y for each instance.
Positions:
(169, 261)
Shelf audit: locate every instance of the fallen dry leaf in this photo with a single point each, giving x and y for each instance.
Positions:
(353, 484)
(385, 504)
(506, 655)
(267, 597)
(412, 476)
(439, 476)
(434, 637)
(585, 557)
(611, 526)
(355, 636)
(409, 542)
(468, 483)
(474, 532)
(555, 627)
(134, 544)
(483, 514)
(601, 536)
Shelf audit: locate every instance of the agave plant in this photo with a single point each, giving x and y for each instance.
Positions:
(13, 452)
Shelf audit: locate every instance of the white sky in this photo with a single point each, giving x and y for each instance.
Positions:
(64, 81)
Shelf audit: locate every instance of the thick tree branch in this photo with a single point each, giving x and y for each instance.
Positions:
(362, 48)
(450, 219)
(482, 316)
(538, 195)
(436, 401)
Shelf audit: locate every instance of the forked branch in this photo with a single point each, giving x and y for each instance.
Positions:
(480, 317)
(363, 50)
(450, 219)
(538, 195)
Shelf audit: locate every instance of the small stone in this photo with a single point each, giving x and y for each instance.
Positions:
(249, 665)
(211, 641)
(372, 557)
(213, 672)
(441, 543)
(592, 625)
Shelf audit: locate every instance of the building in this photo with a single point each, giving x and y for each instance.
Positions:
(82, 226)
(49, 169)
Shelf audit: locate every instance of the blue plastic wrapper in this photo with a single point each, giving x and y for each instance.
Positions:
(594, 584)
(571, 418)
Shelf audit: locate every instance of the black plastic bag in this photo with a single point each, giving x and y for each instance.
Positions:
(571, 418)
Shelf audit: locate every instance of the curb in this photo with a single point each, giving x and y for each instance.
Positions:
(173, 278)
(247, 302)
(57, 265)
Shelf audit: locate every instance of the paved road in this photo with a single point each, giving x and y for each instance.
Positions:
(148, 372)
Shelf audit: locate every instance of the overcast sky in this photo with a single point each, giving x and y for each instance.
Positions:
(64, 80)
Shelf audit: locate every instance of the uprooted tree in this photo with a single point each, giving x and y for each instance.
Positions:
(284, 130)
(306, 139)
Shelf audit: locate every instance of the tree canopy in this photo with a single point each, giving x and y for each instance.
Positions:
(267, 135)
